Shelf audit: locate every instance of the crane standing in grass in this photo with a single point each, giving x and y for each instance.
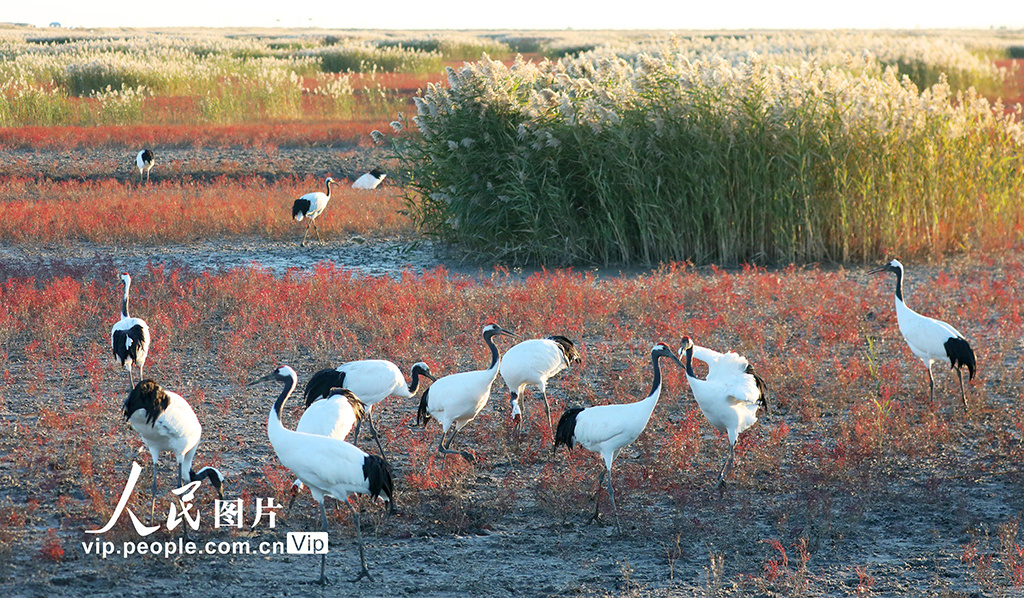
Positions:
(129, 337)
(328, 466)
(309, 206)
(607, 429)
(729, 397)
(458, 398)
(167, 422)
(929, 339)
(534, 361)
(144, 160)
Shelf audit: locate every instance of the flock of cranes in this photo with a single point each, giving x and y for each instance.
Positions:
(339, 399)
(307, 207)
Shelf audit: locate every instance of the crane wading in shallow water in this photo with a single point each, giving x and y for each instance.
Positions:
(606, 429)
(929, 339)
(327, 466)
(729, 397)
(458, 398)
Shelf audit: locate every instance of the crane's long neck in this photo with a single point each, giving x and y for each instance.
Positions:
(414, 385)
(274, 422)
(651, 401)
(124, 301)
(328, 183)
(495, 357)
(899, 284)
(689, 362)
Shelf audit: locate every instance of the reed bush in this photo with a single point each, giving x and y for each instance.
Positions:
(597, 159)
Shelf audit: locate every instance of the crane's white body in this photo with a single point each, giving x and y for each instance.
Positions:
(455, 400)
(373, 380)
(129, 337)
(925, 336)
(369, 181)
(177, 430)
(729, 396)
(144, 165)
(458, 398)
(532, 362)
(332, 416)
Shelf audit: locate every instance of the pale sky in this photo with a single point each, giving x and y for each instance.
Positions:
(523, 14)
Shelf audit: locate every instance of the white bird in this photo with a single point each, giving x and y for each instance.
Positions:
(129, 337)
(533, 362)
(328, 466)
(332, 415)
(930, 340)
(606, 429)
(458, 398)
(370, 180)
(729, 397)
(167, 422)
(310, 206)
(372, 380)
(144, 160)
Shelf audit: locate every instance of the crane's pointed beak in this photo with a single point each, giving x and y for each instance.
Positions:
(507, 333)
(879, 269)
(426, 375)
(266, 378)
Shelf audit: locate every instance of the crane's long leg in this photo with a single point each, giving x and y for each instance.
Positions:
(596, 517)
(303, 243)
(726, 468)
(931, 385)
(373, 430)
(317, 230)
(446, 450)
(611, 495)
(359, 537)
(963, 393)
(152, 492)
(547, 406)
(323, 557)
(131, 381)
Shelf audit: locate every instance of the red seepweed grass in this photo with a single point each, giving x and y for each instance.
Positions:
(113, 212)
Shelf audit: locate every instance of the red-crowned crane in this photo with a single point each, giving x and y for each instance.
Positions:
(370, 180)
(729, 397)
(606, 429)
(167, 422)
(929, 339)
(309, 206)
(144, 160)
(456, 399)
(129, 337)
(533, 362)
(328, 466)
(332, 415)
(372, 380)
